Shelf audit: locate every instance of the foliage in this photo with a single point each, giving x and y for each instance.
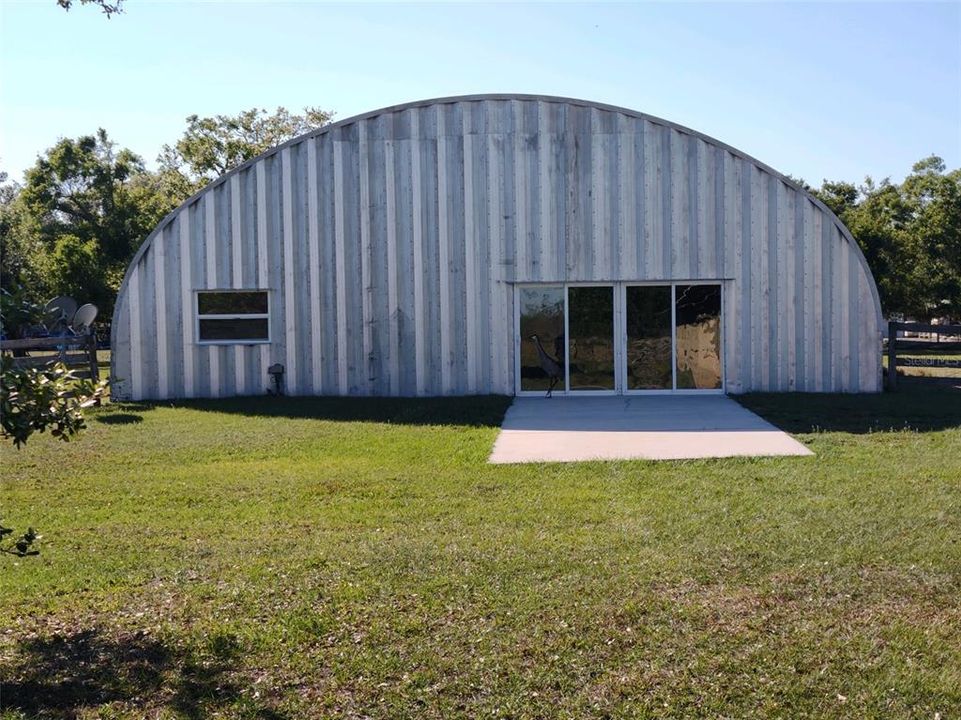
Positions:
(212, 146)
(21, 546)
(75, 268)
(17, 312)
(910, 234)
(82, 212)
(36, 399)
(20, 245)
(108, 8)
(86, 206)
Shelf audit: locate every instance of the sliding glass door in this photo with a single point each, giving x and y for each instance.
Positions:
(590, 344)
(697, 327)
(619, 338)
(673, 337)
(541, 325)
(649, 355)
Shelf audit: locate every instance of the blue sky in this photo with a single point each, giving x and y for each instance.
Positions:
(822, 90)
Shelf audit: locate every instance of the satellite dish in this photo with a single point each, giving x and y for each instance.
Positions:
(59, 312)
(83, 318)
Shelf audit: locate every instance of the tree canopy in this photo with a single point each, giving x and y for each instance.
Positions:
(73, 226)
(910, 234)
(211, 146)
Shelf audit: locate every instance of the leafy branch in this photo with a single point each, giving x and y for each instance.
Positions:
(36, 399)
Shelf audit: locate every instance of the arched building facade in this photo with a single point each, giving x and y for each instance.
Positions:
(420, 249)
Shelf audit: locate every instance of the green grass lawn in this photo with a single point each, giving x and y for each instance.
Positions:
(270, 557)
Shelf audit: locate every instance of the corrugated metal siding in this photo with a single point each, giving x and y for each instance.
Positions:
(389, 244)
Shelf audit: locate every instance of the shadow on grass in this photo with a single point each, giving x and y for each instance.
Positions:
(473, 411)
(61, 676)
(917, 405)
(120, 419)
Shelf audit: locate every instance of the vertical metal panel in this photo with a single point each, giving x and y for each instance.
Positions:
(121, 348)
(390, 244)
(313, 260)
(186, 303)
(237, 278)
(393, 293)
(356, 364)
(458, 261)
(750, 277)
(599, 239)
(770, 276)
(841, 321)
(627, 175)
(160, 313)
(704, 197)
(547, 239)
(291, 370)
(340, 254)
(418, 242)
(263, 278)
(443, 240)
(817, 290)
(210, 276)
(734, 261)
(471, 261)
(799, 301)
(403, 198)
(136, 351)
(497, 315)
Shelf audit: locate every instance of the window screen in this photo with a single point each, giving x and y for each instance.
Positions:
(232, 316)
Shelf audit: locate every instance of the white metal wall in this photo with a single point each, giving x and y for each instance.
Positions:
(390, 242)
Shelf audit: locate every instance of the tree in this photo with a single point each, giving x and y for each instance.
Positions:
(108, 8)
(82, 213)
(910, 234)
(935, 196)
(19, 241)
(212, 146)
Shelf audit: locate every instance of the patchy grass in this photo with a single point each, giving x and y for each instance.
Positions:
(272, 557)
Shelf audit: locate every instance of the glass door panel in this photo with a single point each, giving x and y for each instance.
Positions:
(591, 337)
(648, 351)
(542, 337)
(698, 326)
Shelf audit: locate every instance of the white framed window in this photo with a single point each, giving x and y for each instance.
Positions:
(232, 317)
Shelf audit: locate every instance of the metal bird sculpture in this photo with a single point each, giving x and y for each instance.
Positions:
(550, 366)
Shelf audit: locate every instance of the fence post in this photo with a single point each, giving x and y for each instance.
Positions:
(892, 356)
(92, 355)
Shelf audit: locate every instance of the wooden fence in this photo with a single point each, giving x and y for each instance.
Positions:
(74, 351)
(896, 345)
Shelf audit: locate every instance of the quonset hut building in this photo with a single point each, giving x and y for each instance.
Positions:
(429, 248)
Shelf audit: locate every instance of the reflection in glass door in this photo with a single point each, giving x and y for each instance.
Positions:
(542, 337)
(648, 351)
(697, 319)
(590, 343)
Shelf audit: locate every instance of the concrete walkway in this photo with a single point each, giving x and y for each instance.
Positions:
(663, 427)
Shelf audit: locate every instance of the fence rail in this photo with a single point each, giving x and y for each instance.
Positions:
(895, 344)
(84, 353)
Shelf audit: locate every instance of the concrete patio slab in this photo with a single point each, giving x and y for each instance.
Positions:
(674, 427)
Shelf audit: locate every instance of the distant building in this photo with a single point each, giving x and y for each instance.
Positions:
(417, 250)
